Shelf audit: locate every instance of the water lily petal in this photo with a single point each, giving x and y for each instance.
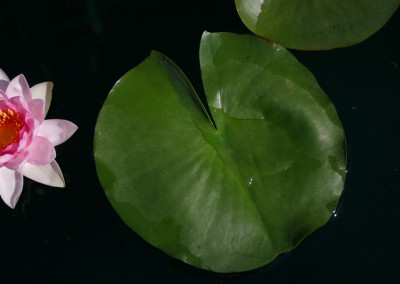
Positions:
(15, 161)
(36, 109)
(48, 174)
(3, 96)
(43, 91)
(41, 152)
(3, 75)
(4, 80)
(19, 87)
(5, 158)
(57, 130)
(27, 135)
(11, 183)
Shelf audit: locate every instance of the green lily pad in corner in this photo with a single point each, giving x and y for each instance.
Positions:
(315, 24)
(232, 197)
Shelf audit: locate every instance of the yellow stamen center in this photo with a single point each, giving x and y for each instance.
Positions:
(10, 125)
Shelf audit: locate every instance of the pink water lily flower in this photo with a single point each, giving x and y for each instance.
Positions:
(27, 140)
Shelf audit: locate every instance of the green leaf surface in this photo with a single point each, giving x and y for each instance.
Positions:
(232, 197)
(315, 24)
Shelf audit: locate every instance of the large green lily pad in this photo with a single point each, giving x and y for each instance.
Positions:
(231, 197)
(315, 24)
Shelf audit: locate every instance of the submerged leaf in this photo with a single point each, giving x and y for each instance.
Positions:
(315, 24)
(231, 197)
